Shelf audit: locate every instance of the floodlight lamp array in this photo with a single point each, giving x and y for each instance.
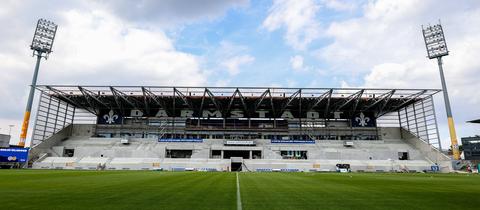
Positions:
(43, 38)
(435, 41)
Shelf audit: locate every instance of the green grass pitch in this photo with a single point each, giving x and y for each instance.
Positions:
(61, 189)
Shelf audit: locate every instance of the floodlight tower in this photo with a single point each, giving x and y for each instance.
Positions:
(42, 46)
(437, 48)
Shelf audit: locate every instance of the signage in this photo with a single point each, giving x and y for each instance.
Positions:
(239, 143)
(363, 120)
(181, 140)
(14, 155)
(109, 117)
(277, 141)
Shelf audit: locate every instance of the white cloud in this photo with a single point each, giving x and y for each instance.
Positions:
(291, 83)
(222, 82)
(171, 12)
(298, 18)
(229, 57)
(400, 75)
(388, 32)
(344, 84)
(97, 46)
(233, 63)
(340, 5)
(297, 62)
(91, 47)
(386, 45)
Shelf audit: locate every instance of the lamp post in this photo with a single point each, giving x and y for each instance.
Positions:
(42, 46)
(437, 48)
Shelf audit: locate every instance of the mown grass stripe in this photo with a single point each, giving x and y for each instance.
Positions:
(239, 198)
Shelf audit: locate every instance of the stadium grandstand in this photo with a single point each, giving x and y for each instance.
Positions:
(236, 129)
(471, 145)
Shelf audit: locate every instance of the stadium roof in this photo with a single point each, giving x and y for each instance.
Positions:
(474, 121)
(249, 99)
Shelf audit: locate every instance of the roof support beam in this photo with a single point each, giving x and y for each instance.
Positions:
(157, 99)
(349, 99)
(242, 100)
(131, 101)
(407, 100)
(328, 103)
(383, 99)
(212, 98)
(291, 98)
(262, 97)
(65, 96)
(385, 102)
(357, 99)
(210, 95)
(117, 101)
(183, 97)
(271, 104)
(91, 95)
(321, 98)
(412, 97)
(203, 101)
(145, 100)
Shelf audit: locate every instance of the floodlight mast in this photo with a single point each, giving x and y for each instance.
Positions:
(437, 48)
(42, 46)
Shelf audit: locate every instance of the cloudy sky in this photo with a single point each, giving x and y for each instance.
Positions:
(292, 43)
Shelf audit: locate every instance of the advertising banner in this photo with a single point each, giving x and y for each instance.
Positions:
(278, 141)
(239, 143)
(13, 155)
(181, 140)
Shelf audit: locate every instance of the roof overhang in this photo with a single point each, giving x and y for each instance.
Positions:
(474, 121)
(248, 99)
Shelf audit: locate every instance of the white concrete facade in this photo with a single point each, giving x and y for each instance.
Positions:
(323, 155)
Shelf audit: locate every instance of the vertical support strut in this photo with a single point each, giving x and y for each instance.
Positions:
(436, 124)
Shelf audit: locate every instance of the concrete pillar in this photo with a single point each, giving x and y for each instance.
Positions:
(250, 153)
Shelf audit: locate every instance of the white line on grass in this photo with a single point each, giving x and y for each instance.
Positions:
(239, 199)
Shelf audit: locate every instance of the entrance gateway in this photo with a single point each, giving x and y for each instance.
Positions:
(236, 163)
